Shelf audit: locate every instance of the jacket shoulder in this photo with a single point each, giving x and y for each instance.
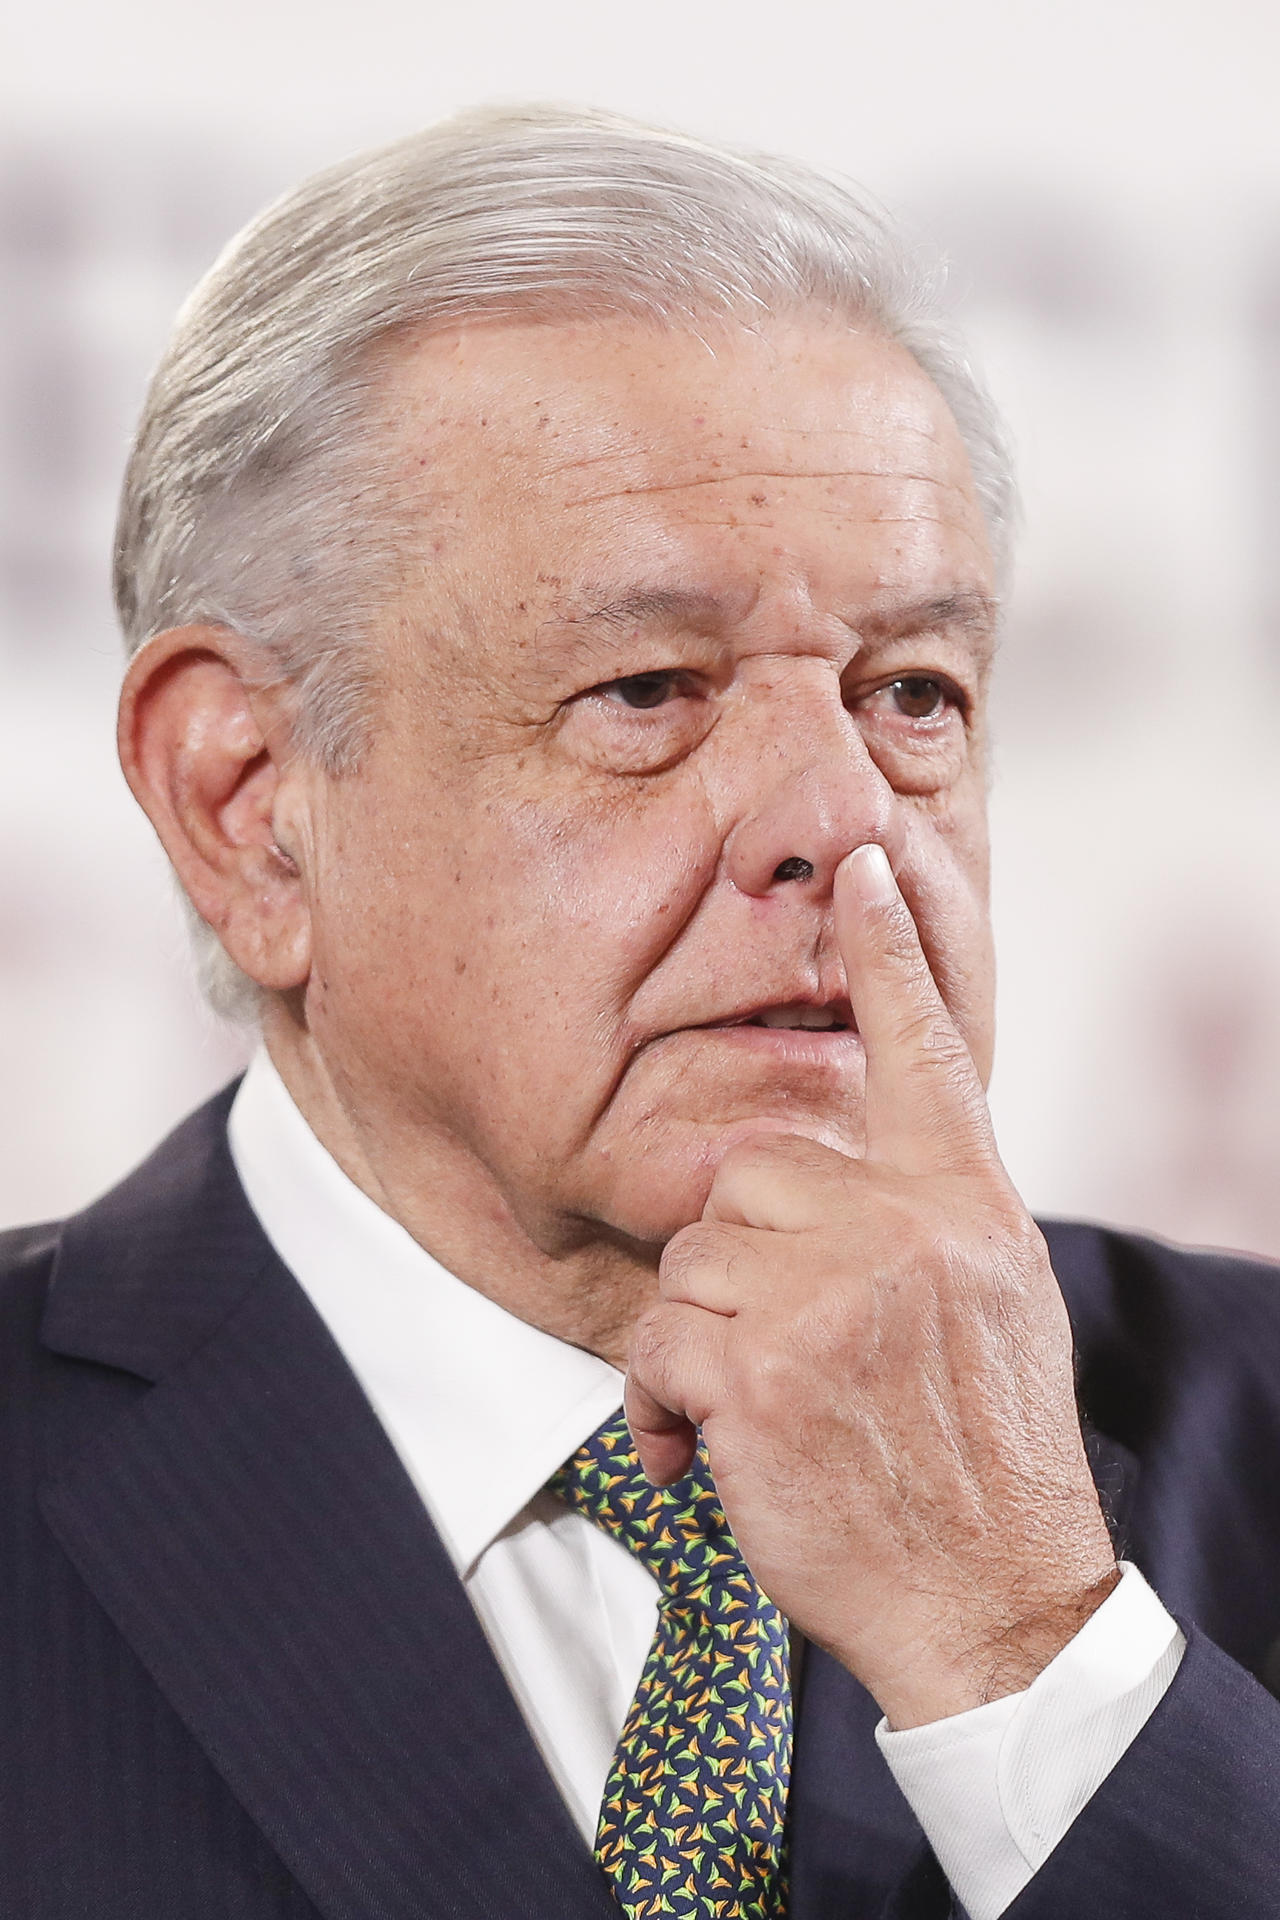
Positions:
(1104, 1270)
(1157, 1325)
(22, 1248)
(26, 1261)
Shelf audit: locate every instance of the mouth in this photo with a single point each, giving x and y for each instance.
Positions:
(835, 1016)
(807, 1034)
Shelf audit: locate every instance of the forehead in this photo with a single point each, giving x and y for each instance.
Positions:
(801, 454)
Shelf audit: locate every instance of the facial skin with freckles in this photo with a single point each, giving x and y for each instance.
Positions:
(681, 611)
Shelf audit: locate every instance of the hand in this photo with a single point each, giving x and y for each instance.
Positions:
(879, 1357)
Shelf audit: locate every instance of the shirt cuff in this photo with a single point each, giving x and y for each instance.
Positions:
(996, 1788)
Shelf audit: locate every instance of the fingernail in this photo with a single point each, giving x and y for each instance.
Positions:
(872, 875)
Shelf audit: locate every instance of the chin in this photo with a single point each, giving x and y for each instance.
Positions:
(649, 1211)
(669, 1186)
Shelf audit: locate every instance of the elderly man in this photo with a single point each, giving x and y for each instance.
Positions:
(561, 563)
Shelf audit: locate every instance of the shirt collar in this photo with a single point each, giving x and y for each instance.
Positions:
(481, 1407)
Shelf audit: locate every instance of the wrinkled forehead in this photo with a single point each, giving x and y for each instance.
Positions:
(488, 402)
(566, 465)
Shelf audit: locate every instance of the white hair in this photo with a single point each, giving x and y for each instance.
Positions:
(255, 498)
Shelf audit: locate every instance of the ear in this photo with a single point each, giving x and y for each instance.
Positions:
(206, 751)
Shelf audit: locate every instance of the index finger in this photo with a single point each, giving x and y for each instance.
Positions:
(925, 1104)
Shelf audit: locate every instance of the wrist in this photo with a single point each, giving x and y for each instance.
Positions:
(969, 1664)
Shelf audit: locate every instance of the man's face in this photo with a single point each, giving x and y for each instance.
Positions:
(679, 613)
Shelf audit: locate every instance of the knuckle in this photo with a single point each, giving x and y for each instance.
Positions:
(1020, 1234)
(680, 1255)
(995, 1256)
(932, 1035)
(742, 1156)
(705, 1244)
(773, 1165)
(651, 1340)
(1005, 1228)
(749, 1165)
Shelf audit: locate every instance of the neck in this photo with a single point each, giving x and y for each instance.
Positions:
(577, 1281)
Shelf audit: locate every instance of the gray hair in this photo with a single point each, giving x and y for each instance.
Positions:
(254, 497)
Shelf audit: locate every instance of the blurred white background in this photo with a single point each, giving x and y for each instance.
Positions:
(1106, 179)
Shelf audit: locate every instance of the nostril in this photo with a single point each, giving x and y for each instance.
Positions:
(793, 868)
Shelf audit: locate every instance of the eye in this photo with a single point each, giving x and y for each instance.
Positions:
(642, 690)
(640, 722)
(918, 727)
(921, 696)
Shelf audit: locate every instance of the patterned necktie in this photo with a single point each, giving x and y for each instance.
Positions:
(691, 1823)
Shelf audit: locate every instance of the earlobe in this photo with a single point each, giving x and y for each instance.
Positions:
(206, 751)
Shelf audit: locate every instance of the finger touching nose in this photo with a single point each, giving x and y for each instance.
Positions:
(803, 815)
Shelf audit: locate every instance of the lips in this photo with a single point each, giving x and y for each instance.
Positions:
(835, 1016)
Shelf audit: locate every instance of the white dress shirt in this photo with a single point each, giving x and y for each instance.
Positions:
(482, 1408)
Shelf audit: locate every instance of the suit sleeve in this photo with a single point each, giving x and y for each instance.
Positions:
(1187, 1825)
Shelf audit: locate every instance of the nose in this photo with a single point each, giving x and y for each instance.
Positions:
(811, 793)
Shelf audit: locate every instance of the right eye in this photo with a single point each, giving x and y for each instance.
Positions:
(640, 722)
(641, 691)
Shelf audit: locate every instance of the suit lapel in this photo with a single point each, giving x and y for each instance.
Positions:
(250, 1530)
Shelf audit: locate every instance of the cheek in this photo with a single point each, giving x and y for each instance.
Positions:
(542, 914)
(608, 885)
(377, 920)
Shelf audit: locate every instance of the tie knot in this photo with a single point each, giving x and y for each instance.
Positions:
(679, 1532)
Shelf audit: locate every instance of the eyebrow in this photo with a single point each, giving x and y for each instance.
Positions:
(661, 605)
(654, 606)
(976, 612)
(592, 635)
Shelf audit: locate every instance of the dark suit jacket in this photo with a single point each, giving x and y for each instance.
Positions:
(240, 1681)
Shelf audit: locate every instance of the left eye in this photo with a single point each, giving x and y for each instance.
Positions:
(639, 690)
(920, 696)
